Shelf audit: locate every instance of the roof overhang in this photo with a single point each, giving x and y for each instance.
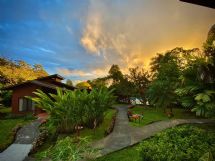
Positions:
(51, 76)
(41, 84)
(206, 3)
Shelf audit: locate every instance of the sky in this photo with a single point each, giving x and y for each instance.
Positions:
(81, 39)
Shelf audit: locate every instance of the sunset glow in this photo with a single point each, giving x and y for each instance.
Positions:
(82, 39)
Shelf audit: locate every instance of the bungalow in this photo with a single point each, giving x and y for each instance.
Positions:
(21, 105)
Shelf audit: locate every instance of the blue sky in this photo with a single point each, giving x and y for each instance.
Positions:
(81, 39)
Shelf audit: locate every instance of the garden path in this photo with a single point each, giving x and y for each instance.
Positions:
(124, 135)
(23, 143)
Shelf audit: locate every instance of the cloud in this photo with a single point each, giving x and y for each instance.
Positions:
(46, 50)
(91, 35)
(129, 33)
(68, 28)
(82, 73)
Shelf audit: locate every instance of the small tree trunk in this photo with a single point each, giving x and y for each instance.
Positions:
(204, 112)
(94, 128)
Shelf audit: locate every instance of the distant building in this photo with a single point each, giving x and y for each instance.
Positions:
(21, 105)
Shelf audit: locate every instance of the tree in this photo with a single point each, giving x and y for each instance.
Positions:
(123, 89)
(98, 82)
(69, 82)
(140, 80)
(39, 70)
(161, 89)
(83, 85)
(181, 56)
(5, 96)
(13, 72)
(115, 74)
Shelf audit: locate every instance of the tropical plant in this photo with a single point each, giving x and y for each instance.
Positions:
(205, 102)
(69, 109)
(196, 89)
(63, 108)
(97, 102)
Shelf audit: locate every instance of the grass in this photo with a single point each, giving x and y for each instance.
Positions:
(156, 114)
(8, 124)
(5, 110)
(132, 153)
(127, 154)
(7, 134)
(93, 135)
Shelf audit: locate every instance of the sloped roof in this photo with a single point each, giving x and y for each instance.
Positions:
(38, 82)
(206, 3)
(51, 76)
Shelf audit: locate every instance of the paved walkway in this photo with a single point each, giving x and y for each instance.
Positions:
(19, 150)
(124, 135)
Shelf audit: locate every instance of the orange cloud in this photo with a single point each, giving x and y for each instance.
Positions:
(130, 33)
(82, 73)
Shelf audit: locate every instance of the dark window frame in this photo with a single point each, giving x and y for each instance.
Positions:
(27, 105)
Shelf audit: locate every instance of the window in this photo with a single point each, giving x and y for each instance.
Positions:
(26, 104)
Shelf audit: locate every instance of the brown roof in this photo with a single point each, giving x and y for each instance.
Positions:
(51, 76)
(38, 82)
(206, 3)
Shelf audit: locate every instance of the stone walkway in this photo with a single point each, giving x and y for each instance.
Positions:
(25, 137)
(124, 135)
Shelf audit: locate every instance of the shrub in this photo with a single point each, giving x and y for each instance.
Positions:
(69, 109)
(186, 143)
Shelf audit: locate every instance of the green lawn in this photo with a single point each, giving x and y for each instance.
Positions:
(6, 130)
(5, 110)
(128, 154)
(156, 114)
(7, 124)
